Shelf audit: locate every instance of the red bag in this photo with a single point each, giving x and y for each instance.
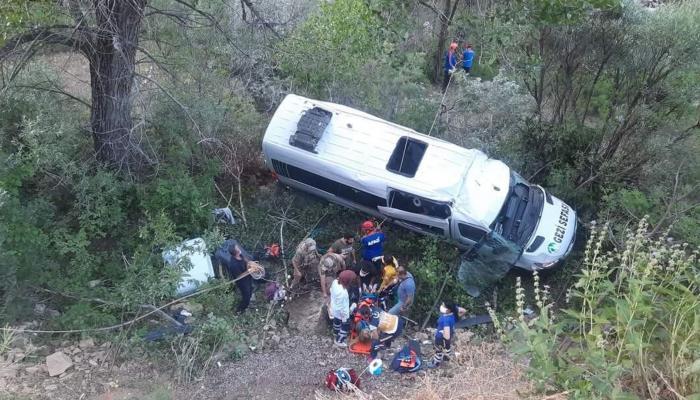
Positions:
(340, 379)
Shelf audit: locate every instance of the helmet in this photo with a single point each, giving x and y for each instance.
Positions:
(453, 46)
(367, 225)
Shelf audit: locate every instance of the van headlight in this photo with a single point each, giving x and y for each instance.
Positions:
(539, 266)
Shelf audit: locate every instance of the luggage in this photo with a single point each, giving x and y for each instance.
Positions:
(342, 379)
(408, 359)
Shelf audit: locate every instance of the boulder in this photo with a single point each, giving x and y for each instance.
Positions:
(57, 363)
(86, 343)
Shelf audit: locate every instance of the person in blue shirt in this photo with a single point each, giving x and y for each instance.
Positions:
(450, 64)
(372, 243)
(445, 332)
(467, 58)
(406, 292)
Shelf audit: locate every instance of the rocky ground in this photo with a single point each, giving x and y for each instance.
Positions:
(291, 364)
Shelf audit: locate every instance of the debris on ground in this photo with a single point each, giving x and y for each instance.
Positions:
(57, 363)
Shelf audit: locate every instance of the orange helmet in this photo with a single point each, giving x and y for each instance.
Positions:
(367, 226)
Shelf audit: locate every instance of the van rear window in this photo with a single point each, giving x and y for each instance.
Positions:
(407, 156)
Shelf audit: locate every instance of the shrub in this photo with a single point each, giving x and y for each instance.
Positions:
(631, 325)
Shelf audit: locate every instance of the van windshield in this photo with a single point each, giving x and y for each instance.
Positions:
(521, 211)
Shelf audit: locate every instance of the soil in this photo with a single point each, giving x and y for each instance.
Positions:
(292, 365)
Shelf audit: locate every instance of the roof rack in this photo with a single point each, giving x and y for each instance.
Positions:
(310, 129)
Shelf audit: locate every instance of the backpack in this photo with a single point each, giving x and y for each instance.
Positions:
(341, 379)
(408, 359)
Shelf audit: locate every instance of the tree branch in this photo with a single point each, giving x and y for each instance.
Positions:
(49, 35)
(258, 16)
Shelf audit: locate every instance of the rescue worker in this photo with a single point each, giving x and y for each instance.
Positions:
(340, 306)
(450, 65)
(445, 332)
(372, 243)
(406, 292)
(236, 266)
(467, 58)
(389, 273)
(329, 267)
(306, 259)
(343, 246)
(378, 326)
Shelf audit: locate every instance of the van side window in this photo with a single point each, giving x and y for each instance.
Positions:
(280, 168)
(328, 185)
(406, 156)
(470, 232)
(418, 205)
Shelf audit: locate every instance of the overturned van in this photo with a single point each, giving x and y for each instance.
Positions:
(419, 182)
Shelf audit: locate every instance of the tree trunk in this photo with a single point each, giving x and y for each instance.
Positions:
(112, 69)
(445, 19)
(440, 45)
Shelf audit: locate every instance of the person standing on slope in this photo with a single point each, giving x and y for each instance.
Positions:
(467, 58)
(450, 65)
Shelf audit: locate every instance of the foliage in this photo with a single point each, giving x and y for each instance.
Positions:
(336, 43)
(433, 267)
(630, 326)
(16, 15)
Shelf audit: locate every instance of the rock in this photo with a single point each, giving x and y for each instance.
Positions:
(276, 339)
(15, 355)
(57, 363)
(51, 313)
(86, 343)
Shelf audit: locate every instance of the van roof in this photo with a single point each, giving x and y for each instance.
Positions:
(353, 136)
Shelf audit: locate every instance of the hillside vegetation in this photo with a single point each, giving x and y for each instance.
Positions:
(124, 123)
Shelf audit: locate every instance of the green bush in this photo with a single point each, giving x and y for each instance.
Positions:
(631, 325)
(434, 265)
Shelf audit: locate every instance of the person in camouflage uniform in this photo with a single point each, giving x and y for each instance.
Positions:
(305, 260)
(329, 267)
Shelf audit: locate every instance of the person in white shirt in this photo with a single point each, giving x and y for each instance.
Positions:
(340, 306)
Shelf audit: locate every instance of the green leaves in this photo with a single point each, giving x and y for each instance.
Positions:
(639, 314)
(332, 45)
(17, 15)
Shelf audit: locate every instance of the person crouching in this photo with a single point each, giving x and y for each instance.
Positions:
(340, 306)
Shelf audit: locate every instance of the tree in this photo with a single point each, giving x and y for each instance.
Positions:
(445, 16)
(106, 33)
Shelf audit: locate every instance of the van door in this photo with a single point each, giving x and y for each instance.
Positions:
(418, 213)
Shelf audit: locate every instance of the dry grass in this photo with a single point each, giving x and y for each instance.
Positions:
(479, 371)
(476, 371)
